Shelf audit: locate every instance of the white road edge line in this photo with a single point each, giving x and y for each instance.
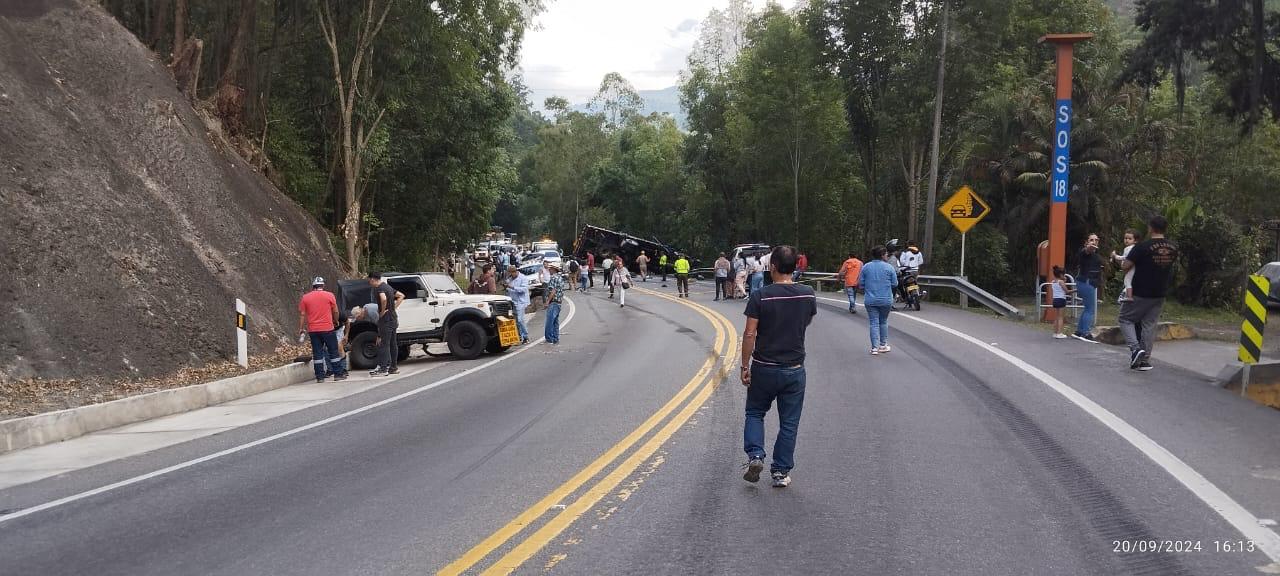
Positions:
(234, 449)
(1249, 525)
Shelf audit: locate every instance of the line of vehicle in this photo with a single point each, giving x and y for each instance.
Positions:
(1265, 539)
(287, 433)
(701, 384)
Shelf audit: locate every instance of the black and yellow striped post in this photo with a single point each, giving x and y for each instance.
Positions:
(1255, 318)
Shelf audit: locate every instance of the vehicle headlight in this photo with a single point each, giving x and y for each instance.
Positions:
(482, 305)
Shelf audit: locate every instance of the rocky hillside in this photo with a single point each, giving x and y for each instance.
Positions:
(127, 229)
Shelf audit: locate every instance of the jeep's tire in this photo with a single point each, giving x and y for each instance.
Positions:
(467, 340)
(402, 354)
(495, 346)
(364, 350)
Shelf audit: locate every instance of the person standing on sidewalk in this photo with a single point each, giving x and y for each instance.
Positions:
(722, 277)
(620, 280)
(850, 271)
(1152, 263)
(878, 280)
(518, 291)
(387, 299)
(1088, 279)
(318, 318)
(554, 292)
(773, 366)
(682, 275)
(642, 261)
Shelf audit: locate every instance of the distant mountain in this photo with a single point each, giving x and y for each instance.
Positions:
(664, 101)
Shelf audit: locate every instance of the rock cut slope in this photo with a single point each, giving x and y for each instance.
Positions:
(126, 230)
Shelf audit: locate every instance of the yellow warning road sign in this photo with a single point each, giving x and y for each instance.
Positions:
(964, 209)
(1255, 318)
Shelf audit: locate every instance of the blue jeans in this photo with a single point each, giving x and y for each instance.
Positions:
(582, 283)
(852, 293)
(552, 332)
(524, 332)
(1089, 294)
(879, 320)
(769, 383)
(757, 281)
(325, 355)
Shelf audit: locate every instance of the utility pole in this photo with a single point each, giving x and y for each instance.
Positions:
(937, 130)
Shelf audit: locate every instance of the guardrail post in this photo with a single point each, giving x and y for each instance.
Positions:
(242, 335)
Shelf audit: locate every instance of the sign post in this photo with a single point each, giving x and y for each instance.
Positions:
(1255, 320)
(242, 335)
(1059, 181)
(964, 210)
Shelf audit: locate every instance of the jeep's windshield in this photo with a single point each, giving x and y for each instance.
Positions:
(441, 284)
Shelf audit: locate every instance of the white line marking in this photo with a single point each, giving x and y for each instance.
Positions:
(234, 449)
(1249, 525)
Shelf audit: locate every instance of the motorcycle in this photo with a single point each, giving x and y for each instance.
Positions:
(909, 288)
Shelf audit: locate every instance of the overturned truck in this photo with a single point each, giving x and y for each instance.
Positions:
(607, 243)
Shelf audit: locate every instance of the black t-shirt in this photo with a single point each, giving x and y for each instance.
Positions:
(1153, 262)
(784, 312)
(386, 288)
(1090, 267)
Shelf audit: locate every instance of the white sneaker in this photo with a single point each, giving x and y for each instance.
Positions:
(875, 351)
(1060, 336)
(884, 349)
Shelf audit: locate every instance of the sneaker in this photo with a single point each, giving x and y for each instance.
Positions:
(1145, 366)
(885, 349)
(378, 373)
(1060, 336)
(875, 351)
(1136, 358)
(320, 380)
(781, 479)
(340, 377)
(754, 468)
(1090, 337)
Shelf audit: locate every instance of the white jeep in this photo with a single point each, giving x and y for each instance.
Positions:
(434, 310)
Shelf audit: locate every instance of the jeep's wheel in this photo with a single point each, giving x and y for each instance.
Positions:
(402, 354)
(364, 350)
(495, 346)
(467, 340)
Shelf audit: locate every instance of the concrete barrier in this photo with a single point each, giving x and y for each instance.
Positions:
(1264, 381)
(30, 431)
(1165, 331)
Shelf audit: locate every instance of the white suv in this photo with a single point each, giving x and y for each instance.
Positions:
(434, 310)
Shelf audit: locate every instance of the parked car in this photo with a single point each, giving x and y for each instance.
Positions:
(434, 310)
(1272, 272)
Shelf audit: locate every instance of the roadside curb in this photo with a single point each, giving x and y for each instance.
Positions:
(1264, 381)
(1165, 331)
(40, 429)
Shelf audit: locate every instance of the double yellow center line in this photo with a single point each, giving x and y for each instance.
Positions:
(699, 387)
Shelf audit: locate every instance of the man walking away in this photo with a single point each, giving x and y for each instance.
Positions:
(773, 366)
(318, 317)
(642, 261)
(518, 291)
(850, 271)
(1152, 261)
(591, 270)
(662, 265)
(722, 277)
(608, 274)
(878, 280)
(682, 275)
(1087, 282)
(387, 299)
(554, 292)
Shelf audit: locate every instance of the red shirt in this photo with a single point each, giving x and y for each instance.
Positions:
(591, 260)
(318, 305)
(802, 263)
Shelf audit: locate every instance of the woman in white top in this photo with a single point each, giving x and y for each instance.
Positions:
(620, 279)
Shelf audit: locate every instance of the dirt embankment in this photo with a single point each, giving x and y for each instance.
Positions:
(126, 230)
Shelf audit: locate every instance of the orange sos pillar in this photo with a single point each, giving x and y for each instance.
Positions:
(1060, 170)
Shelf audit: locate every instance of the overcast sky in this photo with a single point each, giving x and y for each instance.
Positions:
(577, 42)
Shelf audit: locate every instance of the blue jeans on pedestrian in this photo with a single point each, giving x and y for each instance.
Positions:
(582, 283)
(552, 332)
(325, 355)
(524, 332)
(786, 386)
(852, 293)
(757, 281)
(878, 318)
(1089, 297)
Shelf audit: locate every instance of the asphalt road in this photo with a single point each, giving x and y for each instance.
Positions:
(619, 452)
